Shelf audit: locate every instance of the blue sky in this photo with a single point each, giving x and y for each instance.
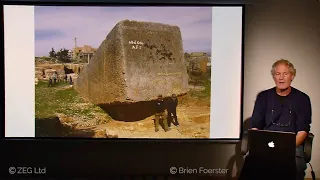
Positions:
(57, 26)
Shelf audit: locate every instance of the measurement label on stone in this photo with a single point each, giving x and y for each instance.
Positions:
(136, 44)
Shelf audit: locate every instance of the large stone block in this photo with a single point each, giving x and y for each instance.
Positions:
(136, 62)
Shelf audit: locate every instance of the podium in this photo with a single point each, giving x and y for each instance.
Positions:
(269, 163)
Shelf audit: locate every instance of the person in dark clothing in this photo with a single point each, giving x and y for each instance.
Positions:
(66, 78)
(284, 108)
(172, 110)
(70, 80)
(160, 114)
(50, 82)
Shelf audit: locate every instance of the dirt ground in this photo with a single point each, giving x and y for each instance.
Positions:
(194, 123)
(193, 116)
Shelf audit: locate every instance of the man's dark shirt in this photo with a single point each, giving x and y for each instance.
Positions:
(297, 102)
(173, 103)
(160, 106)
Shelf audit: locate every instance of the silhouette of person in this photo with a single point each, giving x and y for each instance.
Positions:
(50, 82)
(66, 78)
(160, 114)
(70, 80)
(172, 110)
(54, 77)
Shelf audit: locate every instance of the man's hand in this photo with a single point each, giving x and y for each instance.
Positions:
(254, 129)
(301, 136)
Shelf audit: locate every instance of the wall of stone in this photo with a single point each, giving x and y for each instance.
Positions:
(136, 62)
(102, 80)
(154, 60)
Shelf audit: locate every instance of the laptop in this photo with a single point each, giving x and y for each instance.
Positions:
(272, 146)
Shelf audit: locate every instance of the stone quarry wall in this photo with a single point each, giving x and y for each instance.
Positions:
(136, 62)
(44, 71)
(198, 64)
(202, 63)
(76, 68)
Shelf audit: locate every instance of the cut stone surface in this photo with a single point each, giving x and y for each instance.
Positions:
(51, 66)
(199, 64)
(74, 76)
(39, 74)
(49, 73)
(136, 62)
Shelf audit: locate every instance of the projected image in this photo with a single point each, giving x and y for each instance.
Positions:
(123, 72)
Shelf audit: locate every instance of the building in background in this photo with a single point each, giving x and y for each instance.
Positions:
(83, 54)
(197, 61)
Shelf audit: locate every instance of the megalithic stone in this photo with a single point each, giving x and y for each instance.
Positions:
(136, 62)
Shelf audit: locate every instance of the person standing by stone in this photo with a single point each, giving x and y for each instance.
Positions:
(172, 110)
(66, 78)
(50, 82)
(160, 114)
(70, 80)
(54, 77)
